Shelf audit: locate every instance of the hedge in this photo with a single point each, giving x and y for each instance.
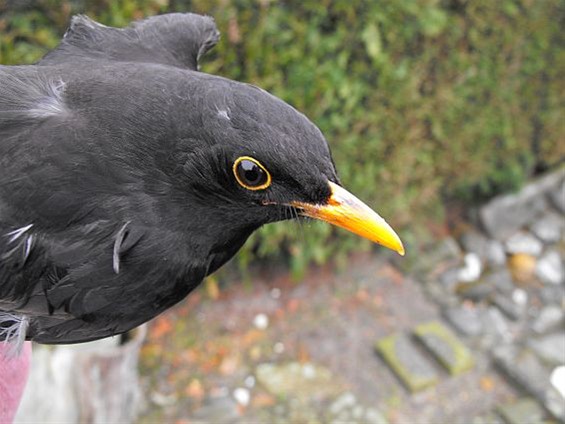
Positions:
(423, 102)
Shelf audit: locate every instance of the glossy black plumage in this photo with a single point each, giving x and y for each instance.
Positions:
(117, 195)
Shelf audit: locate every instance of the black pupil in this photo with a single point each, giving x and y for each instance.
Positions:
(251, 173)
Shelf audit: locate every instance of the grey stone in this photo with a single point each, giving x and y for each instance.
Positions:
(345, 401)
(466, 321)
(523, 368)
(521, 411)
(549, 228)
(509, 306)
(495, 255)
(550, 348)
(217, 410)
(548, 319)
(476, 291)
(449, 279)
(490, 251)
(523, 242)
(557, 196)
(474, 241)
(555, 404)
(496, 325)
(501, 279)
(445, 252)
(553, 295)
(549, 268)
(527, 371)
(504, 215)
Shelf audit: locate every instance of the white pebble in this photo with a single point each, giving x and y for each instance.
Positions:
(558, 379)
(308, 371)
(520, 297)
(261, 321)
(472, 269)
(275, 293)
(242, 396)
(549, 268)
(278, 348)
(250, 381)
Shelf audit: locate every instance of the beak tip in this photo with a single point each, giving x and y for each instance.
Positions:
(400, 250)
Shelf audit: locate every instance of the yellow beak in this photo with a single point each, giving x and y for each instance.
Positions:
(347, 211)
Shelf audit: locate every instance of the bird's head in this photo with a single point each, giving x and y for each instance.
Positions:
(259, 160)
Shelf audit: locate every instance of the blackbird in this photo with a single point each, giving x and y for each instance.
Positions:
(127, 176)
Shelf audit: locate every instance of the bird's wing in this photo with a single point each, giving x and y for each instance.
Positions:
(175, 39)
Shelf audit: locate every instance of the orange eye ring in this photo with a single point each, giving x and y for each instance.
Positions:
(251, 174)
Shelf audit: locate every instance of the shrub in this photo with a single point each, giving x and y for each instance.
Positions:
(421, 101)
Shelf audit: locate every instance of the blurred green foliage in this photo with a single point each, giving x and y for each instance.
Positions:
(422, 101)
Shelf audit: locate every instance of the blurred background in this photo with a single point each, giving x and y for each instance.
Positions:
(447, 116)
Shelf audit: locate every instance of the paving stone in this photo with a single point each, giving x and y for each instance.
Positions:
(466, 321)
(550, 269)
(504, 215)
(445, 347)
(522, 411)
(297, 380)
(408, 363)
(549, 318)
(549, 228)
(557, 196)
(550, 348)
(523, 242)
(511, 308)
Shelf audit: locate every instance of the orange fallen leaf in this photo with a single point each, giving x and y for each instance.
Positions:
(293, 305)
(391, 273)
(253, 336)
(162, 327)
(229, 365)
(362, 295)
(303, 354)
(487, 383)
(262, 400)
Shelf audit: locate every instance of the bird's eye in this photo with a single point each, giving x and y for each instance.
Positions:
(250, 174)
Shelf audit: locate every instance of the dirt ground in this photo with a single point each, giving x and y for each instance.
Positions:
(207, 359)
